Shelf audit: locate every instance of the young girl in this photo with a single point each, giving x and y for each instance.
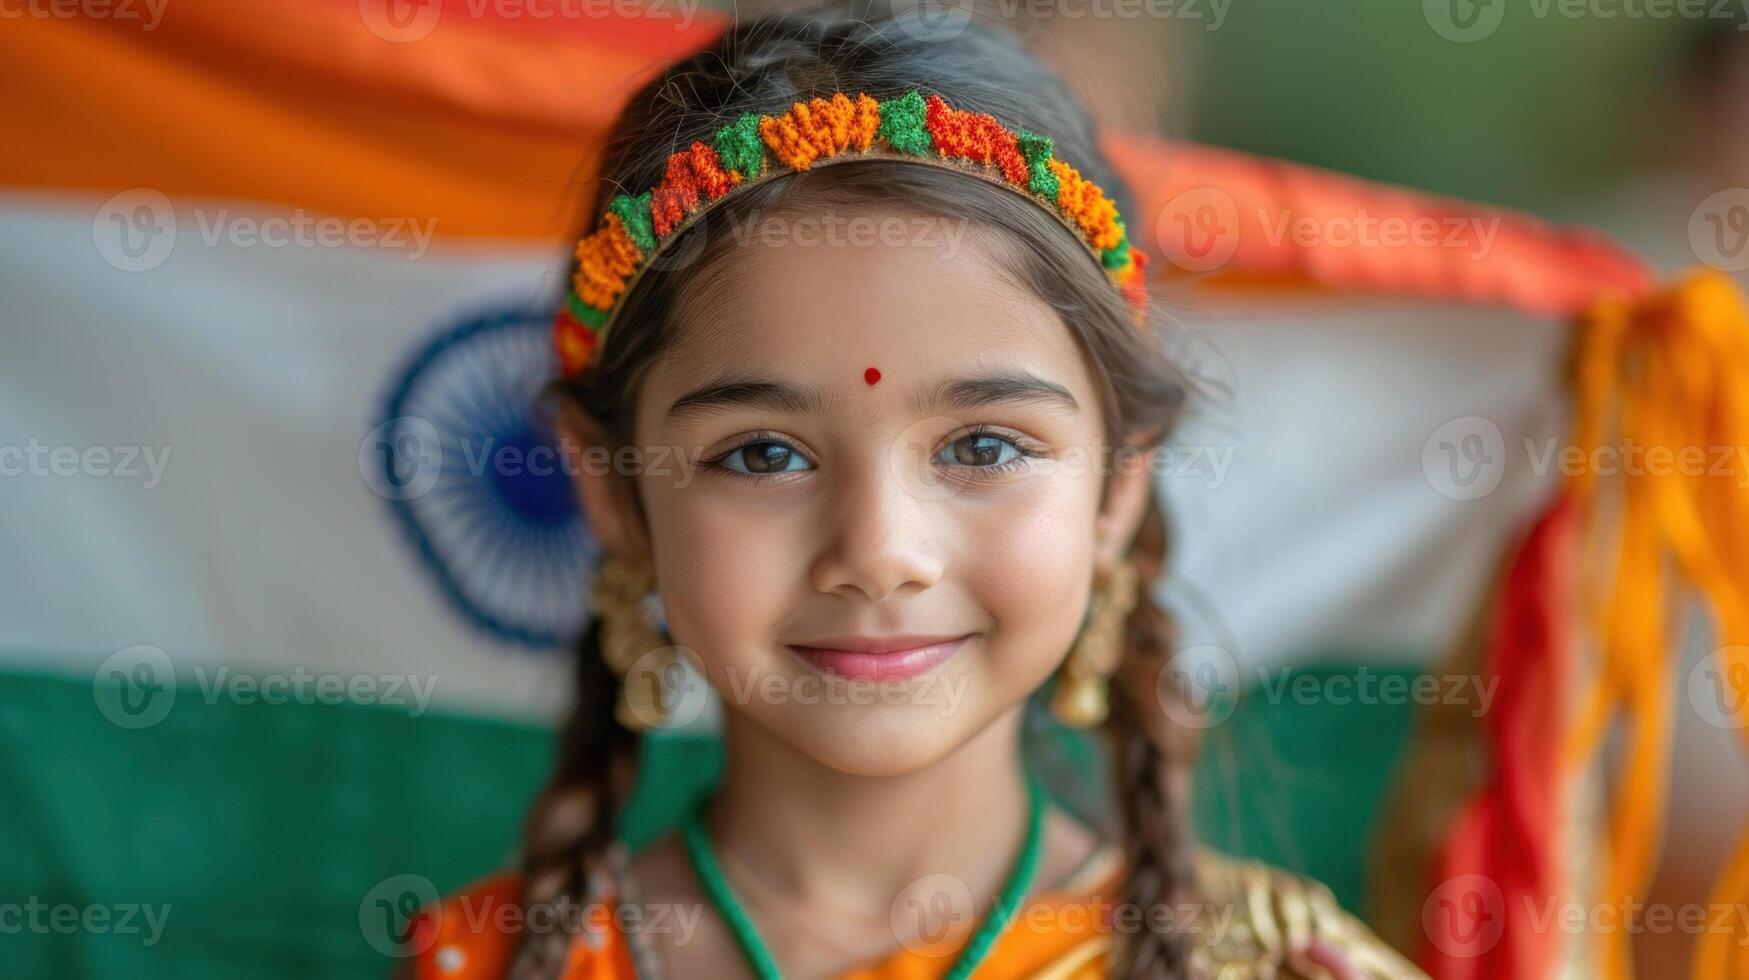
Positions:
(873, 279)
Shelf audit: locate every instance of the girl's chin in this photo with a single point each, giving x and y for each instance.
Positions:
(875, 764)
(874, 740)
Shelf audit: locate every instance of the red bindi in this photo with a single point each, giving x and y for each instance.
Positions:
(871, 375)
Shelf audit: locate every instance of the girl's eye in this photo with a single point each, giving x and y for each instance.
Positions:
(980, 449)
(763, 457)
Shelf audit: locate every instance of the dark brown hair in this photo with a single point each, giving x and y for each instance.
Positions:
(764, 66)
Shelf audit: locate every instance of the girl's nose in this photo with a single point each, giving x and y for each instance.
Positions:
(878, 537)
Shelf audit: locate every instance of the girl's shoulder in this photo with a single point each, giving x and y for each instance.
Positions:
(473, 933)
(1254, 914)
(1244, 921)
(446, 940)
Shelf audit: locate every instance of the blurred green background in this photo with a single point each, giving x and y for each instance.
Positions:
(1541, 108)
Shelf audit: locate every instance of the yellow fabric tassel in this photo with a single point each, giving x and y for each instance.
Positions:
(1661, 396)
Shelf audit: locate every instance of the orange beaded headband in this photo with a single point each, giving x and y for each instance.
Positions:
(840, 129)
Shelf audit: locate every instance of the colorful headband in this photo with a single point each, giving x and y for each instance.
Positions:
(839, 129)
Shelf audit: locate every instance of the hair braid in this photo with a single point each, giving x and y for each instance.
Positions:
(1152, 757)
(572, 822)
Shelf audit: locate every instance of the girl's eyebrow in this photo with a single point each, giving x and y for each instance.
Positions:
(958, 393)
(1017, 386)
(774, 395)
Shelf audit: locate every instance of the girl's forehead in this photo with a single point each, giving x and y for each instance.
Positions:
(903, 311)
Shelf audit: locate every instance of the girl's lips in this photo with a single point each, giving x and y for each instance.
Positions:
(885, 664)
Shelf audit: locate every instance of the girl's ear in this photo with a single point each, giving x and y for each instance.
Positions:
(1127, 487)
(609, 498)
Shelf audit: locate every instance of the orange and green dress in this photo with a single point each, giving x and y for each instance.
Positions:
(1246, 918)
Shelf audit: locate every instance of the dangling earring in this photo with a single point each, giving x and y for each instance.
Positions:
(627, 635)
(1080, 700)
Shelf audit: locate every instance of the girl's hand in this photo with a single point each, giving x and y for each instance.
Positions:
(1320, 958)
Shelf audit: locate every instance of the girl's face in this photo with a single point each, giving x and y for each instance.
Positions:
(895, 447)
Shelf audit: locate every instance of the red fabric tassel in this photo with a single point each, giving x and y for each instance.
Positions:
(1499, 872)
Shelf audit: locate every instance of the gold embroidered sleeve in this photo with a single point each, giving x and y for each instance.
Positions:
(1254, 914)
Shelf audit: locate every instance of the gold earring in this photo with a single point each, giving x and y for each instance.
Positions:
(627, 636)
(1080, 700)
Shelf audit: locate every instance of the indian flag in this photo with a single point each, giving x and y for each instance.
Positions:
(288, 590)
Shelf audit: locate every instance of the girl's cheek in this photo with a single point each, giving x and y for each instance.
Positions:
(725, 568)
(1029, 560)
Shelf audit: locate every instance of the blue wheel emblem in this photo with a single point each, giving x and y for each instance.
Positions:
(470, 468)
